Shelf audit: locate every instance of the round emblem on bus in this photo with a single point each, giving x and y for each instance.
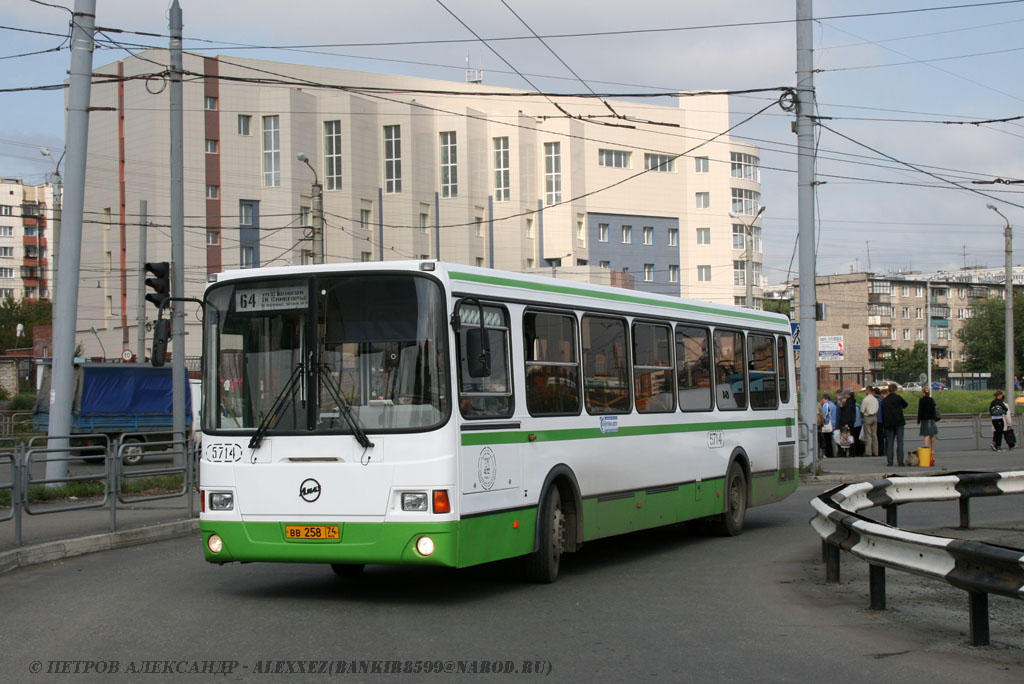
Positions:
(309, 490)
(487, 468)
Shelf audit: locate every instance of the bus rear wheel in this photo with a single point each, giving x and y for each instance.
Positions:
(730, 523)
(542, 565)
(348, 569)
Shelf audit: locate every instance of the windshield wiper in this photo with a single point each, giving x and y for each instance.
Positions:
(276, 409)
(344, 409)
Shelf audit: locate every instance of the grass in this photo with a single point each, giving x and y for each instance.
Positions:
(89, 489)
(947, 401)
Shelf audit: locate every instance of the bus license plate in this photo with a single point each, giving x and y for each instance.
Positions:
(312, 532)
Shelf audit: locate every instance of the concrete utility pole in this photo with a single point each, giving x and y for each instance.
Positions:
(317, 200)
(805, 188)
(62, 378)
(179, 382)
(1009, 375)
(928, 328)
(140, 308)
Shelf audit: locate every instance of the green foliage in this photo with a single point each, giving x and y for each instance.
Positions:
(162, 484)
(777, 306)
(4, 394)
(984, 337)
(25, 401)
(905, 364)
(29, 314)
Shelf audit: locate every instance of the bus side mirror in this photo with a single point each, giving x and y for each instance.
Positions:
(161, 333)
(478, 353)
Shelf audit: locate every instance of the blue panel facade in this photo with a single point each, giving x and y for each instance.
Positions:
(632, 256)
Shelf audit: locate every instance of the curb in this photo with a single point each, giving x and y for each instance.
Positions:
(67, 548)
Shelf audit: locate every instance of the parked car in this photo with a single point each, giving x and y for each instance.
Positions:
(884, 384)
(936, 386)
(912, 387)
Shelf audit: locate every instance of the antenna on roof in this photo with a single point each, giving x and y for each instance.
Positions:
(473, 75)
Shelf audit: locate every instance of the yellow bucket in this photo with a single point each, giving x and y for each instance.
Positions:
(924, 457)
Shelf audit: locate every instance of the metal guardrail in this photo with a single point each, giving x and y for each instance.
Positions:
(16, 422)
(978, 568)
(22, 457)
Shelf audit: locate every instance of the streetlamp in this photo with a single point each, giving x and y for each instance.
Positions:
(1008, 234)
(55, 233)
(102, 348)
(318, 212)
(749, 274)
(555, 263)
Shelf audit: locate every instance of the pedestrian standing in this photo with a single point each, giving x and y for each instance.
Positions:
(997, 411)
(858, 424)
(869, 416)
(892, 415)
(881, 393)
(828, 411)
(926, 419)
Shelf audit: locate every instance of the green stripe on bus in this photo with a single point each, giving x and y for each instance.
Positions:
(522, 436)
(614, 297)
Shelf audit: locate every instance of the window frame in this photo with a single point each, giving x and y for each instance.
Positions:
(715, 365)
(332, 154)
(627, 364)
(502, 169)
(509, 360)
(773, 357)
(392, 159)
(670, 368)
(271, 151)
(448, 163)
(577, 363)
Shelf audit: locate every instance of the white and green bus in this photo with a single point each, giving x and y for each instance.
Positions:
(436, 414)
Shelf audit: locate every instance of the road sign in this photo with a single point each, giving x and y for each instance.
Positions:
(796, 335)
(127, 355)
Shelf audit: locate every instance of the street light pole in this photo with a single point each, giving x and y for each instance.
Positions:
(318, 212)
(748, 275)
(1008, 235)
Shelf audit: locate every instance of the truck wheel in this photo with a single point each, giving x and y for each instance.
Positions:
(133, 450)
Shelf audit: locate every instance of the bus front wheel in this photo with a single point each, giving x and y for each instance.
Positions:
(542, 564)
(730, 523)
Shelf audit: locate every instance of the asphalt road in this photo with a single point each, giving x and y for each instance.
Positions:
(671, 605)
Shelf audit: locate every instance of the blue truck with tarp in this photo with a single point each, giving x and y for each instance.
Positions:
(117, 399)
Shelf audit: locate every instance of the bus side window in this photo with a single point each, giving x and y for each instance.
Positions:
(730, 370)
(652, 368)
(762, 378)
(491, 396)
(606, 365)
(693, 368)
(552, 367)
(783, 371)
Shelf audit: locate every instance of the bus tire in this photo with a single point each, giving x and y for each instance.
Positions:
(730, 522)
(348, 569)
(542, 565)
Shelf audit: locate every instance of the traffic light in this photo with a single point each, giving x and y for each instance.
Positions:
(160, 282)
(161, 333)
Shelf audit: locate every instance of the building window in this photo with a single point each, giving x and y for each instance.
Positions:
(649, 273)
(581, 233)
(449, 165)
(602, 232)
(502, 178)
(7, 292)
(746, 166)
(364, 219)
(906, 312)
(212, 192)
(479, 226)
(364, 256)
(245, 256)
(392, 159)
(662, 163)
(673, 273)
(332, 155)
(210, 103)
(673, 236)
(906, 333)
(704, 273)
(905, 291)
(6, 251)
(755, 234)
(745, 201)
(552, 173)
(8, 231)
(701, 164)
(918, 313)
(423, 222)
(247, 213)
(244, 123)
(212, 237)
(627, 234)
(272, 151)
(211, 146)
(605, 264)
(739, 236)
(919, 334)
(755, 269)
(618, 159)
(529, 228)
(918, 291)
(480, 262)
(648, 235)
(739, 272)
(703, 200)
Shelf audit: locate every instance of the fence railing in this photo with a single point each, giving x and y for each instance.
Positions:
(26, 462)
(978, 568)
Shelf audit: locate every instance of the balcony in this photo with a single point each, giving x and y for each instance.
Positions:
(879, 343)
(879, 298)
(977, 293)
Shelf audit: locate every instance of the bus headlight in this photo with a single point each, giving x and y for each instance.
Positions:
(215, 543)
(425, 546)
(222, 501)
(414, 501)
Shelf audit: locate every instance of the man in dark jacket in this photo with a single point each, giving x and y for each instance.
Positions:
(893, 420)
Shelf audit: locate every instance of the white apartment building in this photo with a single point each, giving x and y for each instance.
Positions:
(25, 213)
(411, 168)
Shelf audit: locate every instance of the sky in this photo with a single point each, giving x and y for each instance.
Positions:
(900, 93)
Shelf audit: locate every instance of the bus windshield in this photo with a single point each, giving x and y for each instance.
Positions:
(317, 354)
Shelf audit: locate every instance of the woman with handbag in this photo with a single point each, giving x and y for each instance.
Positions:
(927, 418)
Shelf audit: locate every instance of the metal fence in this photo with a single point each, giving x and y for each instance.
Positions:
(26, 463)
(978, 568)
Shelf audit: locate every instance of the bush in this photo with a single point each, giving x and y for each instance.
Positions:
(25, 401)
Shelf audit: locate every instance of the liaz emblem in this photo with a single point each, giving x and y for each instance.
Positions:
(487, 468)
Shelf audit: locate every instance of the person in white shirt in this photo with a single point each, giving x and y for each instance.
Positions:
(869, 416)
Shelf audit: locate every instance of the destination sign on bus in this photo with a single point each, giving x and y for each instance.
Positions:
(272, 298)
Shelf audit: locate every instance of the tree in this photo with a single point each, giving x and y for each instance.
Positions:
(777, 306)
(29, 314)
(984, 337)
(907, 364)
